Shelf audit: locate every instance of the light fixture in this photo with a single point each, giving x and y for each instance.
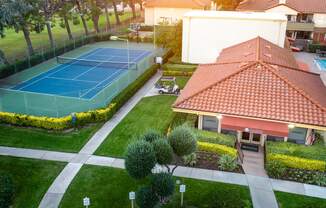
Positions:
(291, 126)
(247, 129)
(219, 116)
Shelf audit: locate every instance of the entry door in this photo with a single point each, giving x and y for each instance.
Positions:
(249, 137)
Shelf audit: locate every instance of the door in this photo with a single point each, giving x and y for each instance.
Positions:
(249, 137)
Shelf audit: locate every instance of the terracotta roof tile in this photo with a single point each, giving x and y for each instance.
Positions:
(272, 89)
(302, 6)
(193, 4)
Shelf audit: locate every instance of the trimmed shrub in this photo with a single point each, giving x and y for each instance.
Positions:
(6, 191)
(183, 140)
(297, 162)
(319, 179)
(151, 136)
(312, 48)
(275, 169)
(217, 149)
(180, 67)
(146, 198)
(163, 184)
(215, 138)
(177, 73)
(140, 159)
(163, 151)
(190, 159)
(227, 162)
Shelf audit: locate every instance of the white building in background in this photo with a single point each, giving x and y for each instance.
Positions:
(171, 11)
(206, 33)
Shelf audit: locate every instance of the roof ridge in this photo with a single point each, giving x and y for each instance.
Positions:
(292, 68)
(258, 49)
(215, 83)
(301, 91)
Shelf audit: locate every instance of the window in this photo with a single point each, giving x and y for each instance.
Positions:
(210, 123)
(274, 138)
(229, 132)
(297, 135)
(245, 136)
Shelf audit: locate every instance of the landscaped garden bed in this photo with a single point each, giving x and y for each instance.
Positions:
(109, 187)
(305, 164)
(30, 179)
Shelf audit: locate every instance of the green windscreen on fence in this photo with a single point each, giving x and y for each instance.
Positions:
(57, 106)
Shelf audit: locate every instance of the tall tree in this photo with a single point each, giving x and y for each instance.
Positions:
(133, 9)
(65, 12)
(116, 13)
(107, 15)
(95, 12)
(21, 15)
(48, 8)
(82, 10)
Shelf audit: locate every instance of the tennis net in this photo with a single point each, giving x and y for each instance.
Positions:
(96, 63)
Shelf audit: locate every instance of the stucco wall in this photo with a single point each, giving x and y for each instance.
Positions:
(320, 20)
(204, 38)
(283, 10)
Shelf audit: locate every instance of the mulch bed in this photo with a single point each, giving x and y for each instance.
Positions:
(207, 160)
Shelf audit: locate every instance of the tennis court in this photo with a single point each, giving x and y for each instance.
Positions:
(84, 76)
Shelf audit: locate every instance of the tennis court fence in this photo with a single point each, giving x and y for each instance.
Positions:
(39, 104)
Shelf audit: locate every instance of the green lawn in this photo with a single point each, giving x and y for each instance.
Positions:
(151, 112)
(32, 178)
(41, 139)
(109, 187)
(41, 39)
(316, 151)
(182, 81)
(180, 67)
(286, 200)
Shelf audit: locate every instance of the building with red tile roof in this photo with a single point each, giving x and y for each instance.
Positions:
(307, 19)
(256, 88)
(171, 11)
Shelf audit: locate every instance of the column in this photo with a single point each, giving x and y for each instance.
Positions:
(200, 122)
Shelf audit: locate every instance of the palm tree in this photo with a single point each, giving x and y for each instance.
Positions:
(95, 13)
(107, 16)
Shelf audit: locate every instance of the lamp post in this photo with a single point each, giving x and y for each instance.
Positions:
(123, 39)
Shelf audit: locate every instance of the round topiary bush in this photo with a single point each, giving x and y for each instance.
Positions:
(140, 159)
(6, 191)
(163, 151)
(183, 141)
(151, 135)
(163, 184)
(146, 198)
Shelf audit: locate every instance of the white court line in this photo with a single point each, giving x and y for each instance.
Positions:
(21, 89)
(71, 79)
(96, 86)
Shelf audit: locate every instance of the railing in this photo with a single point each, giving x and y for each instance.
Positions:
(301, 26)
(239, 150)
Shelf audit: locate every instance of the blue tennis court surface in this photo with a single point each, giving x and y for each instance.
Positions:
(83, 81)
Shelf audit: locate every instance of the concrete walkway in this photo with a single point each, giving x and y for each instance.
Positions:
(260, 187)
(56, 191)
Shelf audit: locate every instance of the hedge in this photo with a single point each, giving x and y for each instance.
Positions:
(177, 73)
(313, 47)
(216, 148)
(102, 114)
(297, 162)
(33, 60)
(179, 67)
(215, 138)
